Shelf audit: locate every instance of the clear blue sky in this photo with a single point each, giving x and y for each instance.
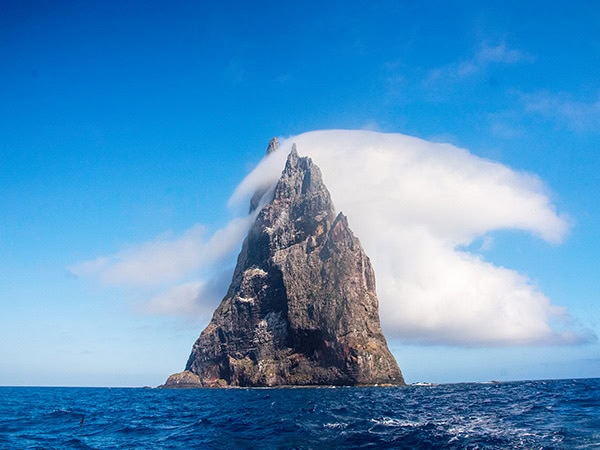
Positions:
(125, 122)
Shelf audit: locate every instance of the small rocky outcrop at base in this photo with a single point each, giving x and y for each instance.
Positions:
(185, 379)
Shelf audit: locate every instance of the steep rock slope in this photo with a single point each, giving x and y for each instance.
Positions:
(301, 308)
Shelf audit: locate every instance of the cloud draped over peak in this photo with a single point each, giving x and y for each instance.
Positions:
(414, 205)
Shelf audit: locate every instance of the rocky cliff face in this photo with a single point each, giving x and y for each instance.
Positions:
(301, 308)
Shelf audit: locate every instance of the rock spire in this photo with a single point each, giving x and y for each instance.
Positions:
(301, 308)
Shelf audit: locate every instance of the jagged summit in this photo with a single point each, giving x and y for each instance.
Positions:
(273, 145)
(258, 195)
(301, 308)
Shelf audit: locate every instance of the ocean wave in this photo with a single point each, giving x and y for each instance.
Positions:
(549, 414)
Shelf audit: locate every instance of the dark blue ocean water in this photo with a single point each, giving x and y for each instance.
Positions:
(532, 414)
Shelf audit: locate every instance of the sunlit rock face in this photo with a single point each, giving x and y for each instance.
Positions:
(301, 308)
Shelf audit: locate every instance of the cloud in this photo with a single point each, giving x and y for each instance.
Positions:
(499, 54)
(181, 299)
(485, 56)
(416, 205)
(165, 259)
(505, 127)
(192, 299)
(561, 108)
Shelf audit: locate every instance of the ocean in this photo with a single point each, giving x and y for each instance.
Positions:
(557, 414)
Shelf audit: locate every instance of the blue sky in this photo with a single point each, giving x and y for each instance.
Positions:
(127, 125)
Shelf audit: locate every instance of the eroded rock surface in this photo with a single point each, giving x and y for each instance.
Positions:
(301, 308)
(185, 379)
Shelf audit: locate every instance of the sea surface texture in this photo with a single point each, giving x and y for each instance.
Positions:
(532, 415)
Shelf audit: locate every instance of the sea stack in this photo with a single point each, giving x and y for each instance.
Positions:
(301, 309)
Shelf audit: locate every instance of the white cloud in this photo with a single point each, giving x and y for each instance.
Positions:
(505, 129)
(414, 204)
(499, 54)
(483, 57)
(192, 299)
(179, 300)
(576, 115)
(165, 259)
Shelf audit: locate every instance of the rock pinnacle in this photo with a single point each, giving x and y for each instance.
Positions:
(301, 308)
